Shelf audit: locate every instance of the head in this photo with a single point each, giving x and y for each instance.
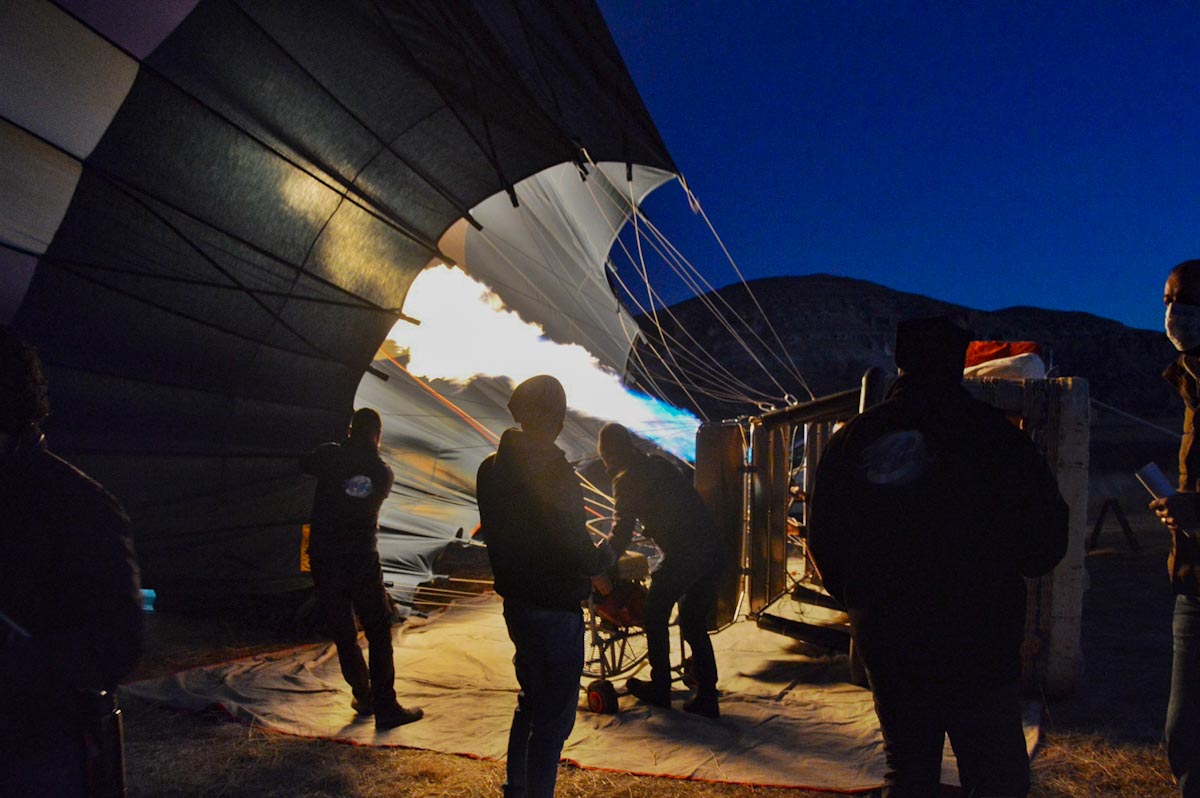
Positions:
(1182, 298)
(539, 404)
(933, 348)
(23, 401)
(366, 427)
(615, 445)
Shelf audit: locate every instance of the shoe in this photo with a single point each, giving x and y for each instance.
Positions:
(397, 716)
(649, 693)
(362, 706)
(703, 704)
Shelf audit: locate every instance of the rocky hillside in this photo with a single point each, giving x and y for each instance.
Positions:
(836, 327)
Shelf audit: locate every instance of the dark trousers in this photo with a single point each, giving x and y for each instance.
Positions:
(983, 722)
(549, 665)
(349, 585)
(1183, 710)
(694, 588)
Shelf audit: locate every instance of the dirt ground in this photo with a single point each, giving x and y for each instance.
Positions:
(1103, 741)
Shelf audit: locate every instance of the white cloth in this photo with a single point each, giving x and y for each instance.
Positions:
(777, 727)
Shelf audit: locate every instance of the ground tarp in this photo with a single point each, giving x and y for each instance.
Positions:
(785, 721)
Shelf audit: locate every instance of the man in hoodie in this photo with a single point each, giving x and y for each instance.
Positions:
(927, 512)
(70, 609)
(532, 518)
(1181, 514)
(674, 516)
(352, 482)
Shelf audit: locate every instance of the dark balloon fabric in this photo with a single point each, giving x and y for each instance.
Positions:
(243, 193)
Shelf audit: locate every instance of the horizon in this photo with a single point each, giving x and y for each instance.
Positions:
(1001, 156)
(815, 275)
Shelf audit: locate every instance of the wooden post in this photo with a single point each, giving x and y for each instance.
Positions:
(1055, 414)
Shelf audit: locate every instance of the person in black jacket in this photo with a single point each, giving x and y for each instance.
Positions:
(927, 512)
(70, 607)
(532, 519)
(352, 482)
(674, 516)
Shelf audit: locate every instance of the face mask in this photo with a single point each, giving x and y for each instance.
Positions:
(1183, 326)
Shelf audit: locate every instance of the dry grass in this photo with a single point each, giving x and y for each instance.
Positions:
(1076, 765)
(174, 754)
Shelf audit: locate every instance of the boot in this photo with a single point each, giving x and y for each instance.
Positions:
(703, 703)
(362, 706)
(649, 693)
(396, 715)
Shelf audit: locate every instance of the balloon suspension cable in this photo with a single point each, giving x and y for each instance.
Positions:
(693, 286)
(695, 203)
(680, 265)
(709, 296)
(712, 308)
(666, 338)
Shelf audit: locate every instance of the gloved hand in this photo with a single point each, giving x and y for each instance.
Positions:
(608, 556)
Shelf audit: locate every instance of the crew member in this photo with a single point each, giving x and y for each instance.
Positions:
(352, 482)
(1181, 513)
(927, 512)
(651, 489)
(70, 608)
(532, 517)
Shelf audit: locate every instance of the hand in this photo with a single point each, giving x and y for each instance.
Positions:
(608, 556)
(601, 584)
(1180, 511)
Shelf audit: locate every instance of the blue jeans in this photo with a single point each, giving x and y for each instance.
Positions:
(984, 725)
(1183, 710)
(549, 665)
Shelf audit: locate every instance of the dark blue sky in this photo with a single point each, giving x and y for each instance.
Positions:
(985, 153)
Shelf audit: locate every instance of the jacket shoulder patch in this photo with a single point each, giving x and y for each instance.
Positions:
(896, 459)
(358, 487)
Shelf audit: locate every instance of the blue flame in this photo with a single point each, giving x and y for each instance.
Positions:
(669, 427)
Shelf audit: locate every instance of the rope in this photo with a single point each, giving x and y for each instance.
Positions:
(1131, 417)
(693, 286)
(643, 272)
(703, 289)
(488, 435)
(640, 268)
(724, 323)
(694, 202)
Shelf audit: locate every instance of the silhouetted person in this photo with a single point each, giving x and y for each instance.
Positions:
(652, 490)
(532, 517)
(352, 482)
(927, 512)
(1181, 513)
(71, 622)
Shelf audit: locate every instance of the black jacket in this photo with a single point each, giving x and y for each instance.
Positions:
(69, 578)
(532, 517)
(352, 482)
(671, 511)
(927, 511)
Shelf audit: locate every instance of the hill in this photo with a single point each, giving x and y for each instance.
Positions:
(834, 328)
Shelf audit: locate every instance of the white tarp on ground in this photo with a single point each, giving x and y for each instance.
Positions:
(778, 727)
